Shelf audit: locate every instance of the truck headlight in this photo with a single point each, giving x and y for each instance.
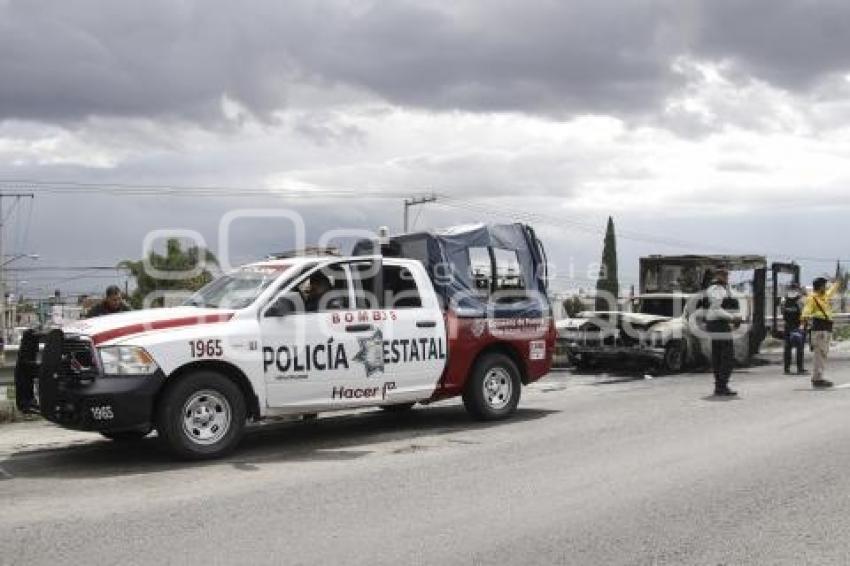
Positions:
(126, 360)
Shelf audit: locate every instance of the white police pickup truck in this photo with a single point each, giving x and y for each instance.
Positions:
(296, 336)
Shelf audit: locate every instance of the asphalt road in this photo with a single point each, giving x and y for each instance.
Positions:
(592, 470)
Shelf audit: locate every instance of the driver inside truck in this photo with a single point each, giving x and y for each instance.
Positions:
(317, 287)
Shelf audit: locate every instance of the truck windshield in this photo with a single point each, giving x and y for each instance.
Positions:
(236, 290)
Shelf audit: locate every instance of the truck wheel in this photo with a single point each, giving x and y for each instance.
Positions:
(493, 389)
(674, 357)
(126, 435)
(398, 408)
(202, 415)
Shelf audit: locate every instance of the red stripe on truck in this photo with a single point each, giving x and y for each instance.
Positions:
(141, 327)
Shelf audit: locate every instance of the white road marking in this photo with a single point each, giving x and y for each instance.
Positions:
(842, 386)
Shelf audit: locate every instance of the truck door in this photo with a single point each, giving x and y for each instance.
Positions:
(783, 274)
(309, 339)
(415, 342)
(369, 382)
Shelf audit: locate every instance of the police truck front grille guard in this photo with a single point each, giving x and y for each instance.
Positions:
(50, 359)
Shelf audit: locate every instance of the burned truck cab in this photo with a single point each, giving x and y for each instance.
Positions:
(692, 274)
(663, 327)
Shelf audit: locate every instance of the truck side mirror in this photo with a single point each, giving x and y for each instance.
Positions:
(284, 305)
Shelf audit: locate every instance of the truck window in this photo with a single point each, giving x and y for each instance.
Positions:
(507, 281)
(367, 284)
(508, 272)
(325, 289)
(510, 285)
(400, 290)
(481, 270)
(237, 289)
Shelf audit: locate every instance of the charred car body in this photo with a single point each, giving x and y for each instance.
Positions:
(662, 327)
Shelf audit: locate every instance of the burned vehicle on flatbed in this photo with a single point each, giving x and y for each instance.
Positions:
(661, 327)
(653, 333)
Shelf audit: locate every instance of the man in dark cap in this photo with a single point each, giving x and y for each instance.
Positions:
(792, 310)
(319, 285)
(719, 324)
(111, 303)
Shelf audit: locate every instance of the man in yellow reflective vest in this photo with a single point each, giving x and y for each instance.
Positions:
(817, 315)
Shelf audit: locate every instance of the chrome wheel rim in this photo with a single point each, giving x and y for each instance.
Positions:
(497, 388)
(206, 417)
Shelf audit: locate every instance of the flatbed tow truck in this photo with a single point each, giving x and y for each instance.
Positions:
(658, 330)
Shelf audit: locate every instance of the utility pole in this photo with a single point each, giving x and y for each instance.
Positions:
(2, 264)
(414, 201)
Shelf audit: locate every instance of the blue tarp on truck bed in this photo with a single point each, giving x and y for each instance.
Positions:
(495, 270)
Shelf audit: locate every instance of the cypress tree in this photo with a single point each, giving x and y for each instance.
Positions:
(608, 282)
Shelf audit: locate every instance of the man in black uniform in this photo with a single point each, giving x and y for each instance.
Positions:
(792, 309)
(111, 304)
(319, 285)
(719, 323)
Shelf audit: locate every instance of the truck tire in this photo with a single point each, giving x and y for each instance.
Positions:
(200, 416)
(493, 389)
(674, 357)
(126, 435)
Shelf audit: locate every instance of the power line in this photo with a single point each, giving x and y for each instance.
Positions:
(584, 226)
(564, 222)
(126, 189)
(20, 227)
(72, 277)
(17, 197)
(65, 268)
(414, 201)
(561, 222)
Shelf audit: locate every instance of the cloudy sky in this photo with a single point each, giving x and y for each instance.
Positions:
(701, 126)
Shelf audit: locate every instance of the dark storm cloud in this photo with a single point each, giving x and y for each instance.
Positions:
(556, 57)
(68, 60)
(789, 43)
(63, 61)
